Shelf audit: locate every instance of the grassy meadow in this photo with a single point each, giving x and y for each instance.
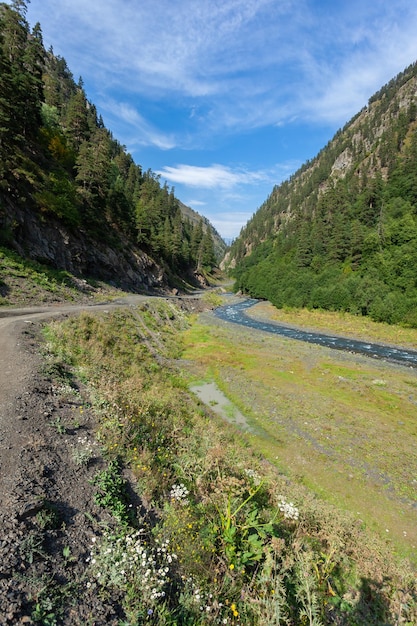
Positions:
(230, 529)
(338, 423)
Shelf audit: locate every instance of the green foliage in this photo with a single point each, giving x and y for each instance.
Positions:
(112, 492)
(218, 543)
(35, 274)
(44, 612)
(48, 518)
(57, 158)
(344, 241)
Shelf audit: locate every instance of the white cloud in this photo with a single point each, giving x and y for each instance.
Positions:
(214, 176)
(254, 62)
(229, 224)
(367, 46)
(195, 203)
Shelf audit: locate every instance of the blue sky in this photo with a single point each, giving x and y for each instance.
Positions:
(226, 98)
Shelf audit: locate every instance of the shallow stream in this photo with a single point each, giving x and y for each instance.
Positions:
(235, 313)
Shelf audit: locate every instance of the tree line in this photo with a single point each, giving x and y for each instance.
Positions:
(58, 158)
(345, 240)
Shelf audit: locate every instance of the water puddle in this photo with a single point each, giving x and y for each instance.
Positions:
(213, 397)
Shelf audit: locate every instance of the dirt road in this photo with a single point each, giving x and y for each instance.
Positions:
(18, 367)
(46, 499)
(47, 510)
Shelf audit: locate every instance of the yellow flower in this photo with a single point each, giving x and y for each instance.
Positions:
(231, 566)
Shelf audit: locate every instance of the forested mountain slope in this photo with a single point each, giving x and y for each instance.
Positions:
(341, 233)
(70, 194)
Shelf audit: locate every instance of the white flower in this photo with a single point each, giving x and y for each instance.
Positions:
(179, 493)
(254, 476)
(289, 510)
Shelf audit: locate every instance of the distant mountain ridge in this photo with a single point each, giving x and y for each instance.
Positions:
(341, 233)
(70, 194)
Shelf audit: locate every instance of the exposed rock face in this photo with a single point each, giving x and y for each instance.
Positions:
(49, 241)
(342, 164)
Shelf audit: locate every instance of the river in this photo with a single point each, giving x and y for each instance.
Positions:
(235, 313)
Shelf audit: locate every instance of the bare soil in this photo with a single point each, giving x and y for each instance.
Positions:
(47, 510)
(47, 500)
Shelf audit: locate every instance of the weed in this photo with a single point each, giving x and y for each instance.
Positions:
(58, 424)
(113, 494)
(84, 451)
(245, 553)
(50, 599)
(127, 562)
(32, 547)
(44, 613)
(48, 518)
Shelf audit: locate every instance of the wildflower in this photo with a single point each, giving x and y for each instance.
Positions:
(231, 566)
(254, 476)
(289, 510)
(179, 493)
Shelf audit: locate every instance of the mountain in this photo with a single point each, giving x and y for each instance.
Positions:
(71, 197)
(220, 245)
(341, 233)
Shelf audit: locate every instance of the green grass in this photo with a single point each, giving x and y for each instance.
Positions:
(344, 427)
(23, 281)
(340, 323)
(234, 549)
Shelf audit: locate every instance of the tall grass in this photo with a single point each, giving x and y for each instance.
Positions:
(220, 537)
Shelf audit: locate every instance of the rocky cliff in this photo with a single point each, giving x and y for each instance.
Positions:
(49, 241)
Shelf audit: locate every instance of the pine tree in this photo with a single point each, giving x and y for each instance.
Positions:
(7, 136)
(24, 57)
(93, 165)
(75, 120)
(207, 256)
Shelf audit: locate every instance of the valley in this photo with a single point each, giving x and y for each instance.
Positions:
(339, 423)
(103, 399)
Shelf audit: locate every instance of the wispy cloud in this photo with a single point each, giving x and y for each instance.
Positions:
(230, 224)
(213, 176)
(367, 44)
(141, 132)
(254, 62)
(246, 85)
